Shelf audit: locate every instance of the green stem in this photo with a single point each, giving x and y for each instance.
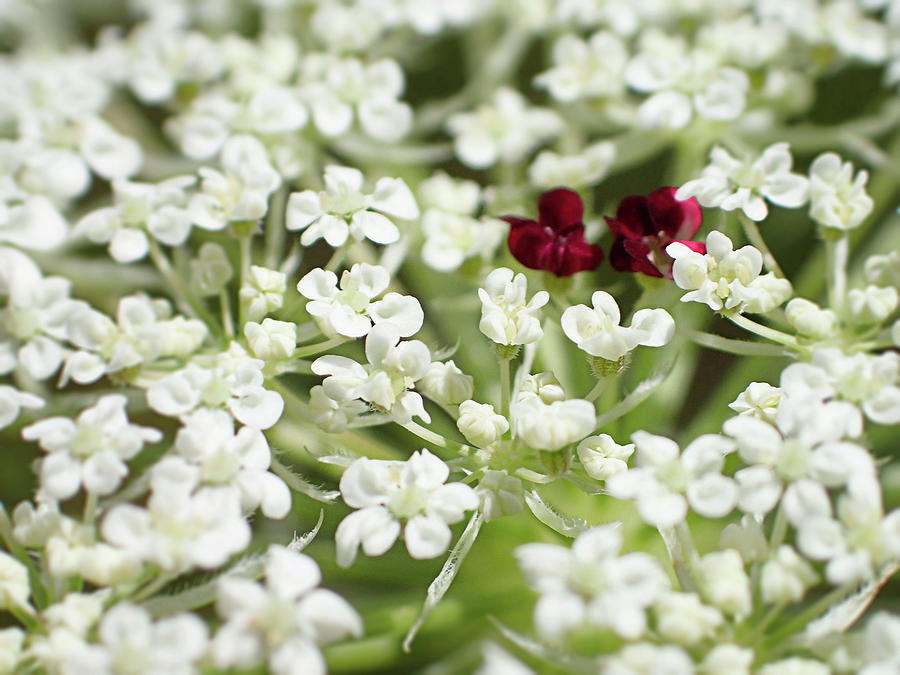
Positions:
(318, 347)
(598, 389)
(732, 346)
(275, 231)
(90, 508)
(763, 331)
(812, 612)
(779, 529)
(504, 387)
(689, 553)
(246, 254)
(751, 230)
(334, 262)
(227, 321)
(154, 585)
(837, 251)
(186, 300)
(431, 437)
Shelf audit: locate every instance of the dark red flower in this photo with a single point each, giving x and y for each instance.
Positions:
(644, 226)
(556, 241)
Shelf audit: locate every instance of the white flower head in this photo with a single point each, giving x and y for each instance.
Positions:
(506, 317)
(597, 331)
(284, 620)
(591, 583)
(505, 130)
(837, 199)
(90, 451)
(549, 421)
(726, 279)
(591, 69)
(730, 183)
(351, 309)
(665, 481)
(343, 209)
(586, 168)
(386, 492)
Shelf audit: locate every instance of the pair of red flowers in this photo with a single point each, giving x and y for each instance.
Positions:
(643, 227)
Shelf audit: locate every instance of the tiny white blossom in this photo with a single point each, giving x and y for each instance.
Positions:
(445, 383)
(786, 576)
(386, 492)
(759, 399)
(724, 582)
(586, 168)
(271, 340)
(726, 279)
(597, 331)
(506, 317)
(684, 619)
(591, 69)
(810, 320)
(500, 494)
(590, 583)
(872, 304)
(210, 270)
(602, 457)
(480, 424)
(542, 417)
(284, 620)
(263, 291)
(12, 401)
(331, 415)
(351, 309)
(504, 130)
(837, 199)
(14, 586)
(89, 451)
(730, 183)
(343, 209)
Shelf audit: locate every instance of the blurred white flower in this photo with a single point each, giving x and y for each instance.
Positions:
(837, 199)
(386, 492)
(506, 317)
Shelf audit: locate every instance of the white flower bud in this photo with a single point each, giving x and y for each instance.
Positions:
(602, 457)
(810, 320)
(263, 292)
(747, 538)
(786, 577)
(500, 493)
(883, 270)
(553, 426)
(14, 588)
(759, 399)
(725, 583)
(480, 424)
(873, 304)
(682, 618)
(446, 383)
(210, 270)
(11, 640)
(272, 340)
(505, 316)
(727, 660)
(837, 199)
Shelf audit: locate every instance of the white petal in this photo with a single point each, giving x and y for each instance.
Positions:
(60, 475)
(712, 495)
(128, 244)
(393, 196)
(385, 119)
(331, 617)
(426, 537)
(290, 574)
(372, 225)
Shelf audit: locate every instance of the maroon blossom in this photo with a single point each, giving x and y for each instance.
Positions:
(556, 241)
(644, 226)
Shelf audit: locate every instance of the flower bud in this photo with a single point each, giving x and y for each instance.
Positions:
(500, 493)
(480, 424)
(601, 456)
(446, 383)
(210, 271)
(272, 340)
(873, 304)
(725, 583)
(810, 320)
(682, 618)
(263, 292)
(786, 577)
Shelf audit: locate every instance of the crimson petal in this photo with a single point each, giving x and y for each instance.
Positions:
(678, 219)
(560, 209)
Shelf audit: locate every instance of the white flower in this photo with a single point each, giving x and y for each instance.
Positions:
(597, 331)
(682, 618)
(586, 168)
(14, 586)
(231, 379)
(90, 451)
(500, 494)
(870, 381)
(681, 81)
(786, 576)
(480, 424)
(208, 441)
(794, 666)
(645, 657)
(542, 417)
(109, 153)
(339, 87)
(12, 401)
(11, 642)
(133, 642)
(582, 69)
(759, 399)
(883, 270)
(394, 368)
(262, 292)
(811, 320)
(724, 582)
(343, 209)
(210, 270)
(451, 239)
(180, 528)
(505, 129)
(872, 304)
(837, 199)
(450, 195)
(506, 318)
(591, 584)
(726, 279)
(72, 550)
(139, 209)
(446, 383)
(728, 659)
(602, 457)
(241, 193)
(283, 621)
(386, 492)
(351, 309)
(333, 416)
(271, 340)
(662, 476)
(730, 183)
